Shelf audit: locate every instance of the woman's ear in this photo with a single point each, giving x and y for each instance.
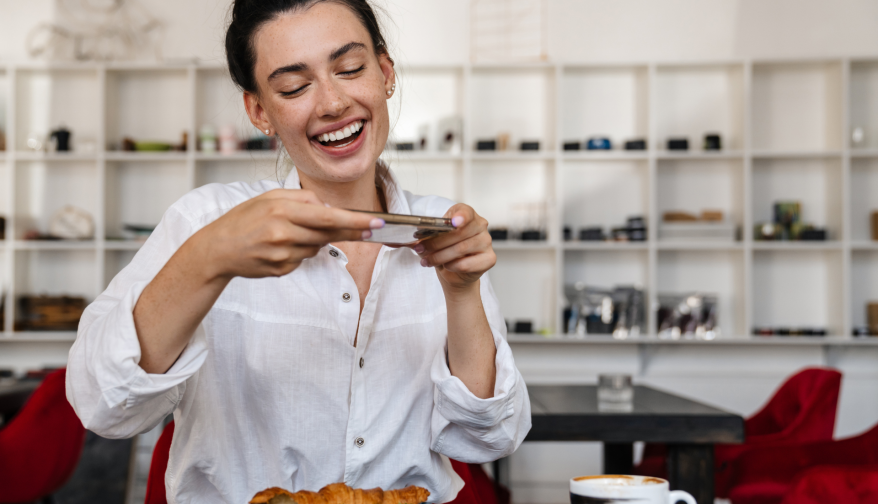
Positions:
(257, 114)
(386, 63)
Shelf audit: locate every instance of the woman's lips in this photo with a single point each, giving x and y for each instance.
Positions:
(345, 150)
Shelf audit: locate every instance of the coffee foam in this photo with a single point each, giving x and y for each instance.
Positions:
(620, 480)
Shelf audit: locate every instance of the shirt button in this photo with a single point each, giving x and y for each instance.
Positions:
(333, 253)
(345, 297)
(359, 442)
(362, 362)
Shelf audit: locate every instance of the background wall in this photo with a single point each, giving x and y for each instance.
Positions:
(580, 30)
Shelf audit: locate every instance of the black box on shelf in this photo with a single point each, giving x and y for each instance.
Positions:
(499, 234)
(405, 146)
(523, 327)
(532, 235)
(678, 144)
(530, 145)
(592, 234)
(638, 144)
(572, 146)
(567, 233)
(813, 235)
(713, 142)
(486, 145)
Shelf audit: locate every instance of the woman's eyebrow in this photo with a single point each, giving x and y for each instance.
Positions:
(341, 51)
(303, 67)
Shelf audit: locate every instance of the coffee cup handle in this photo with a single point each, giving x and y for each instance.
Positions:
(679, 495)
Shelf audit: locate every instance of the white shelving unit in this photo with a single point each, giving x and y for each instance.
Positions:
(785, 127)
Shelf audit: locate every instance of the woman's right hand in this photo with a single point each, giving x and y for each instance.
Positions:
(271, 234)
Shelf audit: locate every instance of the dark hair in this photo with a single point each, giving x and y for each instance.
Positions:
(248, 16)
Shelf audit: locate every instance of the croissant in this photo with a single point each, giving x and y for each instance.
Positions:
(339, 493)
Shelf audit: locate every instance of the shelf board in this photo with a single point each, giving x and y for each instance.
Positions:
(511, 155)
(818, 341)
(517, 67)
(238, 156)
(796, 154)
(700, 245)
(54, 156)
(698, 155)
(522, 245)
(864, 153)
(606, 245)
(424, 156)
(54, 245)
(598, 155)
(123, 245)
(800, 245)
(37, 337)
(146, 156)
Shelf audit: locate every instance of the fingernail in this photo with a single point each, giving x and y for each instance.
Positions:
(367, 235)
(424, 263)
(376, 223)
(457, 221)
(419, 248)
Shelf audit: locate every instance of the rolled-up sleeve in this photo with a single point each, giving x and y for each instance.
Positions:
(474, 430)
(112, 395)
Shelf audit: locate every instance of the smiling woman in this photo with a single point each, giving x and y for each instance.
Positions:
(291, 352)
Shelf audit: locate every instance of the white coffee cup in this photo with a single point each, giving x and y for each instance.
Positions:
(611, 488)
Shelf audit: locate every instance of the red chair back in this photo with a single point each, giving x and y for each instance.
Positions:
(41, 446)
(478, 487)
(801, 410)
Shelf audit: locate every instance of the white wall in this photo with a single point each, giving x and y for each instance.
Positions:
(580, 30)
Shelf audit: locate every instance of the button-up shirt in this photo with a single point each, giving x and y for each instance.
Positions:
(285, 383)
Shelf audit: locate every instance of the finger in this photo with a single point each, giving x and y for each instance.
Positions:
(301, 195)
(460, 214)
(446, 240)
(476, 264)
(474, 245)
(321, 217)
(320, 237)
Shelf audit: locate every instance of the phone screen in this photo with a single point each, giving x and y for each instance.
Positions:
(402, 229)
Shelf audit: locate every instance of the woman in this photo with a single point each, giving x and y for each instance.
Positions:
(290, 352)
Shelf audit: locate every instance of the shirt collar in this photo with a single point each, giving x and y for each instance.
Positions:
(394, 195)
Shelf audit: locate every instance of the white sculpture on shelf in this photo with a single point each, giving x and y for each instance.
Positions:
(98, 30)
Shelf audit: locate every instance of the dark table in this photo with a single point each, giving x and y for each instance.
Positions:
(690, 429)
(13, 395)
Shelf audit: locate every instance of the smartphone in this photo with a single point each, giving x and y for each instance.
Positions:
(402, 229)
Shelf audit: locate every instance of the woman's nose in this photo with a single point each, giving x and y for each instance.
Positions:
(332, 100)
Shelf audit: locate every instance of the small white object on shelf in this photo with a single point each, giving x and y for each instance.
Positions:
(719, 231)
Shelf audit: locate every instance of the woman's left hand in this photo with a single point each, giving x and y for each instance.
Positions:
(462, 256)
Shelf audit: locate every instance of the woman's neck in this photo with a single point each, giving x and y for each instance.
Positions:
(360, 194)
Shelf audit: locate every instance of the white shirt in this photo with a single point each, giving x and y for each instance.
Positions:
(271, 390)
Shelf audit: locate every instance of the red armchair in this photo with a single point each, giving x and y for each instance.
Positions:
(764, 475)
(478, 487)
(41, 446)
(822, 484)
(800, 411)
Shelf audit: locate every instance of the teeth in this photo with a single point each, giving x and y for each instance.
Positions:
(342, 133)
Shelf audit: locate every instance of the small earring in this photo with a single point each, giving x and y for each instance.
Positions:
(266, 131)
(392, 89)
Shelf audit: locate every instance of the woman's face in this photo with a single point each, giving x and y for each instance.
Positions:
(323, 90)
